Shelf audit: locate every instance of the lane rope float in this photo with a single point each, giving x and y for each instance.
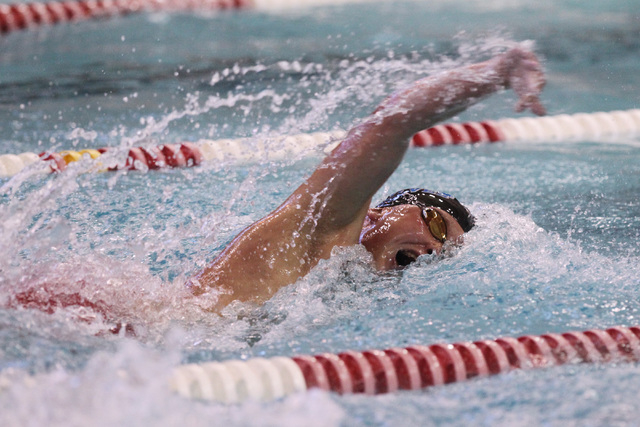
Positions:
(557, 128)
(22, 16)
(31, 15)
(411, 368)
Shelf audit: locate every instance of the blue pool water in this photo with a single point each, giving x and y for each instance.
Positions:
(556, 248)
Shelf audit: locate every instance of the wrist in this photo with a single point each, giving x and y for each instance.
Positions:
(503, 65)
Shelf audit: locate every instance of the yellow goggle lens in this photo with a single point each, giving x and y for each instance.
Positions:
(435, 222)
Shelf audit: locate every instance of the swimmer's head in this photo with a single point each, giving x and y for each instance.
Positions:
(425, 198)
(413, 222)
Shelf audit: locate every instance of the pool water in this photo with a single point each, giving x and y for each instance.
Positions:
(556, 247)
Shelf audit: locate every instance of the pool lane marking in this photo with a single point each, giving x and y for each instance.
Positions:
(31, 15)
(410, 368)
(187, 154)
(23, 16)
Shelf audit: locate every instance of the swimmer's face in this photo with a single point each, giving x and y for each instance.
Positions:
(396, 236)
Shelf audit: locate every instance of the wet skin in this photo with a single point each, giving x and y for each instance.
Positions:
(398, 235)
(331, 208)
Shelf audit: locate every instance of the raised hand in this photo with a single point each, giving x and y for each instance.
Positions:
(523, 73)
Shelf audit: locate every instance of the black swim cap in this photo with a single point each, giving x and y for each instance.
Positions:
(425, 198)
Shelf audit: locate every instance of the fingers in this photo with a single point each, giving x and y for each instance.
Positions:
(532, 103)
(527, 80)
(538, 109)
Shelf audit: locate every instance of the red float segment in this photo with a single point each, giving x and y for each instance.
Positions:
(379, 369)
(406, 369)
(561, 348)
(420, 139)
(428, 365)
(628, 342)
(495, 357)
(136, 159)
(493, 131)
(438, 135)
(538, 350)
(53, 13)
(474, 361)
(584, 347)
(337, 373)
(476, 132)
(450, 361)
(515, 353)
(154, 157)
(56, 161)
(20, 17)
(361, 373)
(192, 153)
(173, 155)
(603, 343)
(40, 15)
(313, 372)
(457, 133)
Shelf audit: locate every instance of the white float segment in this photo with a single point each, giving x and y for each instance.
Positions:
(273, 387)
(10, 164)
(247, 383)
(292, 378)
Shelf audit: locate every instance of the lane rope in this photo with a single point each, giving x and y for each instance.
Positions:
(22, 16)
(411, 368)
(31, 15)
(559, 128)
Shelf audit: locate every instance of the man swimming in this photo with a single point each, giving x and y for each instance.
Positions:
(331, 208)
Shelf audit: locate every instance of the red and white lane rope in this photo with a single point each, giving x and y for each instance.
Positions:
(29, 15)
(561, 127)
(184, 154)
(551, 128)
(20, 16)
(410, 368)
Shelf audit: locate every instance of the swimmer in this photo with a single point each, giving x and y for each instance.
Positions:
(331, 208)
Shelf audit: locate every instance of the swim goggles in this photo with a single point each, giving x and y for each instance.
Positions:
(436, 224)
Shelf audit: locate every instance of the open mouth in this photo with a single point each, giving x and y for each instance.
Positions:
(405, 257)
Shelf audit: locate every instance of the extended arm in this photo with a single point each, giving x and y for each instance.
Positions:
(356, 169)
(329, 208)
